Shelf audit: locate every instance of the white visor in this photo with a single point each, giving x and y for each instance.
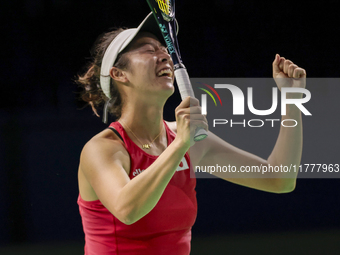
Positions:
(118, 44)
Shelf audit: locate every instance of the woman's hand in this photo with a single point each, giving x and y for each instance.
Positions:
(287, 74)
(188, 119)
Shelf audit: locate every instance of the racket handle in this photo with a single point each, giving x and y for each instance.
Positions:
(185, 89)
(183, 83)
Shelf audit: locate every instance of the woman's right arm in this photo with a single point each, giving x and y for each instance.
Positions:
(104, 162)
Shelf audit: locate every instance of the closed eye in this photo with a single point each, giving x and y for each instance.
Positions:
(149, 48)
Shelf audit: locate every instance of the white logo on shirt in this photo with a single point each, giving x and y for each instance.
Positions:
(183, 165)
(137, 172)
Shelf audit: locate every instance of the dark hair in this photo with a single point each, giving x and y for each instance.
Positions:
(89, 81)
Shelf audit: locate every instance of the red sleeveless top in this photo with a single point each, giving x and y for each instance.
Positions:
(166, 229)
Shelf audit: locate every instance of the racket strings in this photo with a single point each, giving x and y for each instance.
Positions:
(165, 6)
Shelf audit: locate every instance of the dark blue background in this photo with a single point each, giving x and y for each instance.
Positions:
(42, 129)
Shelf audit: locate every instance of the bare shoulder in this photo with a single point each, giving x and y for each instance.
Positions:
(103, 161)
(104, 138)
(105, 145)
(172, 125)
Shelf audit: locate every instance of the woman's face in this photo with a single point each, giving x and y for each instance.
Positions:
(150, 66)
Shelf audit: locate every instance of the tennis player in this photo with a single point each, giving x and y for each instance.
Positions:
(136, 195)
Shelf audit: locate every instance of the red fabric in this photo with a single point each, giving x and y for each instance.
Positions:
(166, 229)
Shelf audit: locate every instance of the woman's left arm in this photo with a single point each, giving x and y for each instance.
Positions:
(214, 152)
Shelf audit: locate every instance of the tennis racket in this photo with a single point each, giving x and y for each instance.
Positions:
(164, 12)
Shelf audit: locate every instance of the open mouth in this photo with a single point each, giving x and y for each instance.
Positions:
(166, 72)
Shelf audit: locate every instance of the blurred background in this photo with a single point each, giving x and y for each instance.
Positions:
(43, 124)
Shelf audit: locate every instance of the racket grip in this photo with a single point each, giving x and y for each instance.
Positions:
(183, 83)
(185, 89)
